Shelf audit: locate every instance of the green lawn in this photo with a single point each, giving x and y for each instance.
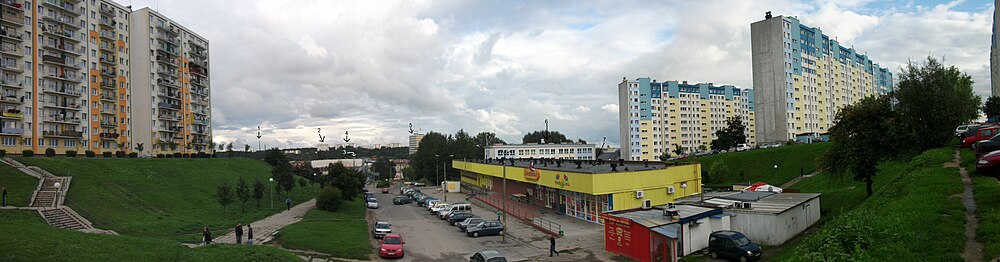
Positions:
(162, 198)
(28, 238)
(19, 185)
(913, 216)
(342, 234)
(758, 165)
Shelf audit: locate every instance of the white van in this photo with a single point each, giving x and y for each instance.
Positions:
(459, 207)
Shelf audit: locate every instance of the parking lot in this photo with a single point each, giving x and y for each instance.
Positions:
(429, 238)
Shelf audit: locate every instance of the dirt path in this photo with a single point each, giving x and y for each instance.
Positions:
(973, 249)
(796, 180)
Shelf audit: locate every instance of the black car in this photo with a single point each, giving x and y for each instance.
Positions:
(732, 244)
(453, 219)
(401, 200)
(987, 146)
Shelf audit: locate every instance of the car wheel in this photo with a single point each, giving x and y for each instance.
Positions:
(713, 255)
(501, 232)
(475, 234)
(455, 224)
(743, 259)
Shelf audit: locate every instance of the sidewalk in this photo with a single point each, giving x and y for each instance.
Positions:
(263, 228)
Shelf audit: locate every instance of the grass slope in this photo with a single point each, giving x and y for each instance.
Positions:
(19, 185)
(758, 165)
(915, 216)
(342, 234)
(28, 238)
(163, 198)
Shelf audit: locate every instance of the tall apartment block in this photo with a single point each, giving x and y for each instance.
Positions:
(654, 117)
(170, 86)
(415, 142)
(995, 52)
(801, 77)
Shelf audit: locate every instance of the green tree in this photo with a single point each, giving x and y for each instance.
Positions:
(229, 148)
(258, 191)
(282, 170)
(992, 107)
(664, 156)
(549, 136)
(224, 195)
(350, 182)
(732, 135)
(718, 172)
(330, 199)
(931, 100)
(859, 139)
(139, 147)
(425, 160)
(678, 150)
(383, 167)
(246, 148)
(243, 194)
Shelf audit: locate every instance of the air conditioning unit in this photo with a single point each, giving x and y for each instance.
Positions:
(671, 189)
(647, 204)
(746, 205)
(640, 194)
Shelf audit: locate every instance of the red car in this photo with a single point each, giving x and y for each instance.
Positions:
(385, 191)
(391, 246)
(980, 135)
(989, 164)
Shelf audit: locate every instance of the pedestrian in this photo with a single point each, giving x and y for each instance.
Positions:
(239, 233)
(498, 214)
(249, 234)
(288, 202)
(5, 196)
(207, 235)
(552, 246)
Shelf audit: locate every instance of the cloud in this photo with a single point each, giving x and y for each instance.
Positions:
(309, 45)
(611, 108)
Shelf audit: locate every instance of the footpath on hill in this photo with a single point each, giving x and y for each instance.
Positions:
(262, 229)
(973, 248)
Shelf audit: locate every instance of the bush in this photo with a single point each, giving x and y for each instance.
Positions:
(49, 152)
(133, 155)
(383, 183)
(3, 153)
(160, 156)
(185, 155)
(178, 155)
(169, 155)
(330, 199)
(120, 154)
(70, 153)
(202, 155)
(27, 153)
(106, 154)
(89, 153)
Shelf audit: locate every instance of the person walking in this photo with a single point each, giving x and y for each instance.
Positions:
(288, 202)
(552, 246)
(5, 196)
(207, 236)
(239, 233)
(249, 234)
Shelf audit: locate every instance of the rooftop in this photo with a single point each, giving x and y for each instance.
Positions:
(542, 145)
(586, 166)
(761, 202)
(654, 217)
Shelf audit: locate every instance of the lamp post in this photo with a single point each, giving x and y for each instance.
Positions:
(58, 187)
(503, 237)
(270, 189)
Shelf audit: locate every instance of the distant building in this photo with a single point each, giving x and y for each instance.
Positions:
(556, 151)
(415, 142)
(323, 147)
(348, 163)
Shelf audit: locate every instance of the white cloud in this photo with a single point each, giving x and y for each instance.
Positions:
(612, 108)
(582, 109)
(309, 45)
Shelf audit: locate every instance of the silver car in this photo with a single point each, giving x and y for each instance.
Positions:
(472, 221)
(381, 229)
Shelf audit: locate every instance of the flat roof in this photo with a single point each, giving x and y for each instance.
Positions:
(654, 217)
(586, 166)
(761, 202)
(542, 145)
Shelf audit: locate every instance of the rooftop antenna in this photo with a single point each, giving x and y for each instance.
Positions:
(767, 15)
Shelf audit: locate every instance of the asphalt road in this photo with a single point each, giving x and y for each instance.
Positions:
(429, 238)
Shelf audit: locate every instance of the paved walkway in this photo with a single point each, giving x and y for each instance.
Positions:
(263, 228)
(973, 248)
(796, 180)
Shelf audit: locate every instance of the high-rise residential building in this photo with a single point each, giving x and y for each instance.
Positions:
(415, 142)
(656, 117)
(801, 77)
(569, 151)
(995, 52)
(171, 87)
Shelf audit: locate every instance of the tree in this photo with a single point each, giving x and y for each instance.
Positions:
(222, 146)
(483, 140)
(243, 194)
(992, 107)
(229, 148)
(732, 135)
(664, 156)
(383, 167)
(303, 182)
(549, 136)
(349, 182)
(224, 196)
(139, 147)
(258, 191)
(330, 199)
(678, 150)
(246, 148)
(931, 100)
(859, 139)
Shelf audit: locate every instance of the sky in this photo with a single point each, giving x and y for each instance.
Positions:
(304, 68)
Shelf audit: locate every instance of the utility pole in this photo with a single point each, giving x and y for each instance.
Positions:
(503, 237)
(258, 139)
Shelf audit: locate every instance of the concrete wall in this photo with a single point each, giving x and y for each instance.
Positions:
(768, 60)
(142, 82)
(623, 121)
(795, 220)
(696, 236)
(775, 229)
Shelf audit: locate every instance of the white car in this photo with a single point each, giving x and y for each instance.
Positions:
(381, 229)
(439, 207)
(372, 203)
(742, 147)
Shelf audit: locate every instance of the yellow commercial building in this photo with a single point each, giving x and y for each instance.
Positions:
(582, 189)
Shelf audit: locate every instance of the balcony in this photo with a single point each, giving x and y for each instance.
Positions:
(109, 124)
(61, 32)
(173, 129)
(61, 19)
(109, 73)
(198, 71)
(167, 28)
(12, 50)
(166, 72)
(69, 91)
(11, 4)
(108, 85)
(169, 106)
(167, 50)
(63, 134)
(11, 83)
(51, 45)
(108, 97)
(200, 131)
(16, 18)
(63, 6)
(104, 22)
(200, 91)
(107, 47)
(11, 99)
(108, 60)
(199, 81)
(64, 77)
(200, 112)
(167, 117)
(60, 61)
(13, 67)
(172, 95)
(166, 61)
(11, 131)
(63, 119)
(168, 39)
(107, 35)
(108, 111)
(199, 142)
(110, 136)
(107, 11)
(168, 83)
(12, 114)
(63, 105)
(200, 122)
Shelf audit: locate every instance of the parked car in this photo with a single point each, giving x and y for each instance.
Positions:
(485, 228)
(381, 229)
(418, 184)
(487, 256)
(457, 207)
(986, 146)
(980, 135)
(742, 147)
(732, 244)
(401, 200)
(385, 191)
(472, 221)
(989, 164)
(372, 203)
(391, 246)
(434, 208)
(972, 131)
(456, 218)
(962, 128)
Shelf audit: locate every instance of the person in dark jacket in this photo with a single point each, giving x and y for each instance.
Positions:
(288, 202)
(5, 196)
(207, 235)
(552, 246)
(249, 234)
(239, 233)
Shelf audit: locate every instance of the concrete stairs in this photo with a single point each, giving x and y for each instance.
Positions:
(59, 217)
(48, 200)
(48, 195)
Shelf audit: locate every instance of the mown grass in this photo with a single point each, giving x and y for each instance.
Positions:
(28, 238)
(915, 216)
(19, 186)
(342, 234)
(162, 198)
(758, 165)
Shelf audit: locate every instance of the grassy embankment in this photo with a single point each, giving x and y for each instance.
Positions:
(987, 194)
(341, 234)
(19, 185)
(758, 165)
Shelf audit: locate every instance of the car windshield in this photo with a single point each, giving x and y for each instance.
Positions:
(742, 241)
(392, 240)
(497, 259)
(382, 226)
(372, 200)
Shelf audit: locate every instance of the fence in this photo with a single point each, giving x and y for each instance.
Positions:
(522, 212)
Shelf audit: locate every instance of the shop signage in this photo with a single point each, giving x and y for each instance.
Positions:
(531, 173)
(562, 180)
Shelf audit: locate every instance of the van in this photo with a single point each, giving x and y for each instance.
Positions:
(457, 207)
(732, 244)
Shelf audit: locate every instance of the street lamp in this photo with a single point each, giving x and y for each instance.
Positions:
(503, 237)
(58, 187)
(270, 189)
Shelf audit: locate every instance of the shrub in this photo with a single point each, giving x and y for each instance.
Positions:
(89, 153)
(159, 156)
(27, 153)
(49, 152)
(106, 154)
(383, 183)
(133, 155)
(3, 153)
(330, 199)
(202, 155)
(169, 155)
(178, 155)
(120, 154)
(185, 155)
(70, 153)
